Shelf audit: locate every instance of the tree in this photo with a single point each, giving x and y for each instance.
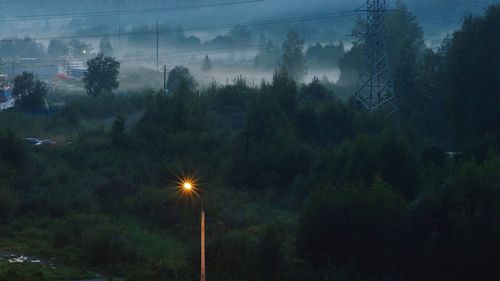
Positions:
(353, 226)
(105, 47)
(179, 75)
(21, 47)
(350, 63)
(78, 48)
(404, 48)
(284, 88)
(207, 65)
(471, 78)
(294, 61)
(327, 55)
(405, 54)
(271, 252)
(29, 92)
(315, 91)
(457, 221)
(101, 76)
(57, 48)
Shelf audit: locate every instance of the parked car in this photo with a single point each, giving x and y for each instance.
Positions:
(38, 142)
(33, 141)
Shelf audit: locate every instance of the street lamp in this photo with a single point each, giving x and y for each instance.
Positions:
(189, 188)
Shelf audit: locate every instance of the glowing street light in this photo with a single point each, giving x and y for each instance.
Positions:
(188, 186)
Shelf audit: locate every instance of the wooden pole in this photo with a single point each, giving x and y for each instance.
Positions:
(202, 274)
(157, 47)
(164, 79)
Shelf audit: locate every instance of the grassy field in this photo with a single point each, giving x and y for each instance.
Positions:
(34, 240)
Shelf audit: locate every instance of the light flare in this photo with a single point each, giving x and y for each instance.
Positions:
(187, 186)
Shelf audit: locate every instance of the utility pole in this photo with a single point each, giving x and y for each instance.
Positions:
(375, 86)
(157, 47)
(202, 268)
(119, 23)
(165, 79)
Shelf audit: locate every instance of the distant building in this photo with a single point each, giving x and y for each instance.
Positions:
(76, 69)
(71, 69)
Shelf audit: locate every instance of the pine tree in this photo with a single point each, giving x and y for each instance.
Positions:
(294, 61)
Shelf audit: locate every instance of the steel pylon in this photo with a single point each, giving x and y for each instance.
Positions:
(375, 86)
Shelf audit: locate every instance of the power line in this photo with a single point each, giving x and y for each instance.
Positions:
(316, 17)
(126, 12)
(157, 46)
(119, 22)
(469, 3)
(276, 21)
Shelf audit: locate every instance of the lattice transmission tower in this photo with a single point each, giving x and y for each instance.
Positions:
(375, 86)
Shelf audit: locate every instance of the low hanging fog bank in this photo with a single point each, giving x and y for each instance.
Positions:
(138, 77)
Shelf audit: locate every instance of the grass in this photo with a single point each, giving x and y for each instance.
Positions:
(40, 272)
(32, 238)
(164, 246)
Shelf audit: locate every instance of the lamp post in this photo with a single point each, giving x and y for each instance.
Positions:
(189, 187)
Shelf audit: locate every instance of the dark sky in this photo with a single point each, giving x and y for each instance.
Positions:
(436, 16)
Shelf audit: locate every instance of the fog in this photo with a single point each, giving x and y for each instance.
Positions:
(190, 30)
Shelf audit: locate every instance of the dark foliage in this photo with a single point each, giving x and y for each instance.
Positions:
(473, 97)
(101, 77)
(29, 92)
(180, 76)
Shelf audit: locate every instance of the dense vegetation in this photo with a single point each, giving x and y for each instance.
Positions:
(297, 184)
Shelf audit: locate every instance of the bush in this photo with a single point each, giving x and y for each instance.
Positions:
(457, 223)
(7, 200)
(12, 151)
(102, 242)
(360, 227)
(359, 161)
(233, 256)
